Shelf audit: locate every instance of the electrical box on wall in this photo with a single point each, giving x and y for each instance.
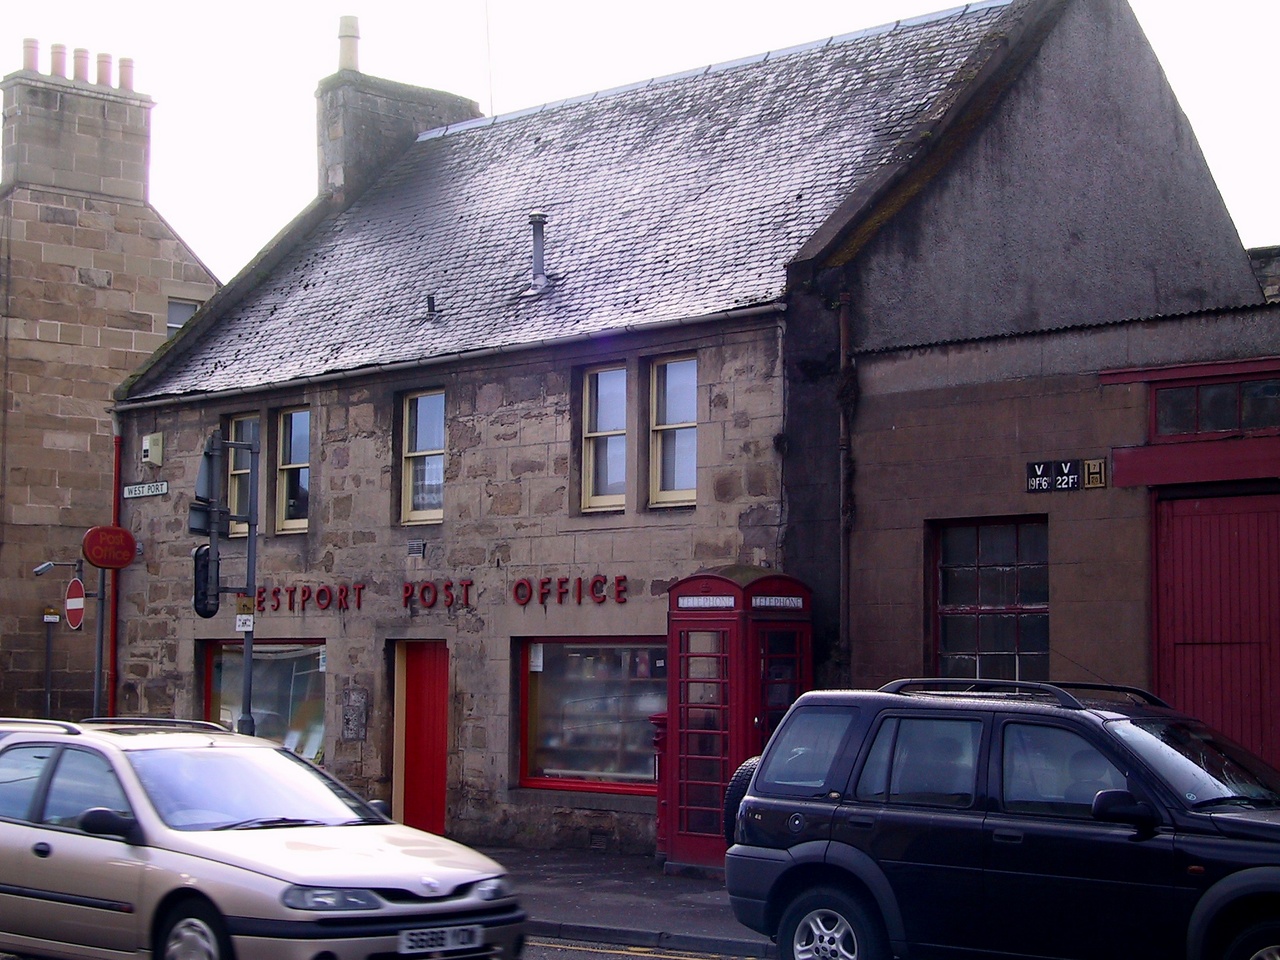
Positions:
(153, 449)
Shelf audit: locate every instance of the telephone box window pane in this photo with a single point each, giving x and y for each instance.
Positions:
(1175, 411)
(588, 709)
(1260, 404)
(1219, 407)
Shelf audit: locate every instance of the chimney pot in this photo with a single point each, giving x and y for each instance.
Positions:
(348, 43)
(126, 73)
(104, 69)
(82, 65)
(58, 60)
(31, 55)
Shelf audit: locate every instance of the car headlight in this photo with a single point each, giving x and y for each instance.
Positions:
(330, 898)
(494, 889)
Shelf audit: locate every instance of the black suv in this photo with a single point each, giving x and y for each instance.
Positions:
(938, 818)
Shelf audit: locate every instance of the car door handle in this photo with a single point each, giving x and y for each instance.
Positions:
(1007, 836)
(862, 823)
(42, 850)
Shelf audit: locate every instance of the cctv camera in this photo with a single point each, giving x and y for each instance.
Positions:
(44, 568)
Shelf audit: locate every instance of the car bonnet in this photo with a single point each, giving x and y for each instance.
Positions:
(363, 855)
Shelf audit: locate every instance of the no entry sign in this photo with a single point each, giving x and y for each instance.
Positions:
(75, 603)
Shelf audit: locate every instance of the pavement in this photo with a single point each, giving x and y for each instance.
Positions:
(626, 901)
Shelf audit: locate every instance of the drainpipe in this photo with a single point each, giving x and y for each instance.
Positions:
(848, 401)
(114, 615)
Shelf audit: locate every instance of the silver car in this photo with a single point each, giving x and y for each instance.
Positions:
(180, 840)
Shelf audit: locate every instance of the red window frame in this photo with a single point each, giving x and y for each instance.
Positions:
(620, 677)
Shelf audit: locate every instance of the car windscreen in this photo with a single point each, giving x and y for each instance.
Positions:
(1202, 766)
(224, 788)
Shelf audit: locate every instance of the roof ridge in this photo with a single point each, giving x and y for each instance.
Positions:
(767, 56)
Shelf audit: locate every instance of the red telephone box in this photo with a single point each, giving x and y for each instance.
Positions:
(739, 651)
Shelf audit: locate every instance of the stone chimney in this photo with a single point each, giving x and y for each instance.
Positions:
(363, 123)
(74, 134)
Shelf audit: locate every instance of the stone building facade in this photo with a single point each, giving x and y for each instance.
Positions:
(91, 278)
(540, 368)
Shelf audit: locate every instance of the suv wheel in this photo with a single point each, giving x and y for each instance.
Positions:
(829, 924)
(733, 795)
(1259, 942)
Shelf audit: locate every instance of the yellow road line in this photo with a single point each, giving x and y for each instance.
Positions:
(625, 951)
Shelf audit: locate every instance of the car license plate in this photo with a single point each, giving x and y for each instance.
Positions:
(441, 938)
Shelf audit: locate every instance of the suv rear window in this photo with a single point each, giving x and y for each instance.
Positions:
(801, 760)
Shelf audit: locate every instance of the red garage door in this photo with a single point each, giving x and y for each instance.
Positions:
(1218, 614)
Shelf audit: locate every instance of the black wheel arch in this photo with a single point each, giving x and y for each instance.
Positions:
(847, 869)
(1231, 905)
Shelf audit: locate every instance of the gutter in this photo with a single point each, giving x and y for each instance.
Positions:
(777, 307)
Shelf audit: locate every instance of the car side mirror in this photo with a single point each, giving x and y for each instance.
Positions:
(382, 807)
(1121, 806)
(102, 822)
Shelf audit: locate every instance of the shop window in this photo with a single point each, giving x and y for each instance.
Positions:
(422, 475)
(288, 692)
(992, 589)
(604, 439)
(293, 470)
(239, 494)
(1218, 407)
(586, 706)
(673, 432)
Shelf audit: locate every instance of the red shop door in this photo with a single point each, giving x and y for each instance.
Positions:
(422, 697)
(1218, 614)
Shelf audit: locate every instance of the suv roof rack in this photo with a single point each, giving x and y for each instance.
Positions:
(64, 725)
(1146, 696)
(170, 722)
(1058, 690)
(964, 685)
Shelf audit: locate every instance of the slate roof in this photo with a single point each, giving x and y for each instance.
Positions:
(676, 198)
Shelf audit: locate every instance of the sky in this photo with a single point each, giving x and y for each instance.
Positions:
(233, 155)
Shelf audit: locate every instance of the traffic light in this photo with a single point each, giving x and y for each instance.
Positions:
(205, 588)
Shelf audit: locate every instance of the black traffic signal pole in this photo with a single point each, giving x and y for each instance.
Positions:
(209, 513)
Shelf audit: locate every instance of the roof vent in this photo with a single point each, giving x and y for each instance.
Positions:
(538, 221)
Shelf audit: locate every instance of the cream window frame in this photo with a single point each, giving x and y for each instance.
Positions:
(410, 457)
(662, 431)
(285, 470)
(238, 470)
(594, 438)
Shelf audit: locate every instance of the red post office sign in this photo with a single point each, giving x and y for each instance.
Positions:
(111, 548)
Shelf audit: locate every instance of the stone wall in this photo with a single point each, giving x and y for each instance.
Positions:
(511, 495)
(88, 270)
